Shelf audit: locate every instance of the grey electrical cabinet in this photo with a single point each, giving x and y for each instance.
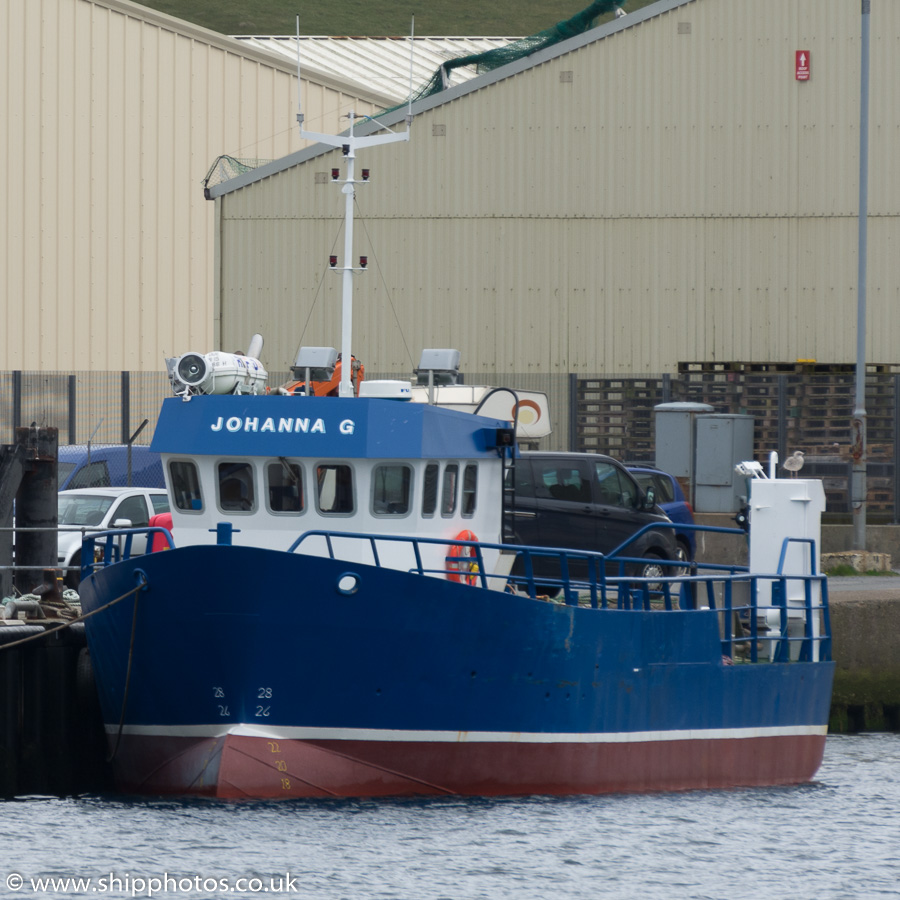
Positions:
(675, 437)
(721, 442)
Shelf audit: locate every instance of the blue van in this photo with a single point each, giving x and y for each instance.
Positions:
(106, 465)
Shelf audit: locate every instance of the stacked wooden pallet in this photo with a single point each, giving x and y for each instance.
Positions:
(803, 405)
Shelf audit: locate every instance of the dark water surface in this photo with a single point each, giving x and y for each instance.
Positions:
(836, 838)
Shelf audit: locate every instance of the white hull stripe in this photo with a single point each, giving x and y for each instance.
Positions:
(287, 733)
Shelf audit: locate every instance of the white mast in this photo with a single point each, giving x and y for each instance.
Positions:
(349, 143)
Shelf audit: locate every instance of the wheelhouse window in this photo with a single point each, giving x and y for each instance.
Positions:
(334, 489)
(430, 489)
(469, 490)
(391, 489)
(236, 493)
(448, 489)
(285, 484)
(185, 481)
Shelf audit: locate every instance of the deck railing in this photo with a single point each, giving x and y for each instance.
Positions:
(759, 618)
(781, 630)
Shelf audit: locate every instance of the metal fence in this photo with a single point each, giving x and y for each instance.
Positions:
(795, 406)
(103, 407)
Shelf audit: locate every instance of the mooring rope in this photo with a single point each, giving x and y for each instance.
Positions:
(137, 593)
(62, 625)
(115, 749)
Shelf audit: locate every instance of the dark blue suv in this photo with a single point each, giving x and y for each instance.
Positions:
(587, 501)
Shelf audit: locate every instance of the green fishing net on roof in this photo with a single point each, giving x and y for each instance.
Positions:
(227, 167)
(489, 60)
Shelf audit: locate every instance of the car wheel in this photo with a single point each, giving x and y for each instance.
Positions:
(683, 555)
(73, 578)
(652, 567)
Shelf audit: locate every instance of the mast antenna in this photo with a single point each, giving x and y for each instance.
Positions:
(412, 50)
(349, 143)
(299, 108)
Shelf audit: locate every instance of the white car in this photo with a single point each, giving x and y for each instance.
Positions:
(89, 510)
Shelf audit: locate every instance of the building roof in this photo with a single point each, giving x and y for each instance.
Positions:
(381, 64)
(336, 79)
(473, 83)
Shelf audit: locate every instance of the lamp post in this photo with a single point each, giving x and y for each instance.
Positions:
(858, 423)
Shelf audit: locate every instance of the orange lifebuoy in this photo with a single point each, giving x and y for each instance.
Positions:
(466, 569)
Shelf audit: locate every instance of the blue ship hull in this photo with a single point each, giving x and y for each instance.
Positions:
(244, 672)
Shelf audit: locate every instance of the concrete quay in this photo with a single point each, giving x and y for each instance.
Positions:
(865, 628)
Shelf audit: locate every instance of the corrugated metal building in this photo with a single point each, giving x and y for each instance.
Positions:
(659, 190)
(113, 114)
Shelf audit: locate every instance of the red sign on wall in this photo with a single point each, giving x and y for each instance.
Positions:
(801, 65)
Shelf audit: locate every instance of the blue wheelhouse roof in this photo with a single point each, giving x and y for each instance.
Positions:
(343, 428)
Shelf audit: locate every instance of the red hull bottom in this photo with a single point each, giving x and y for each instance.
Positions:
(234, 767)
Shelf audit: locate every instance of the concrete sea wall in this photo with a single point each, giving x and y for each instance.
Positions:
(866, 648)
